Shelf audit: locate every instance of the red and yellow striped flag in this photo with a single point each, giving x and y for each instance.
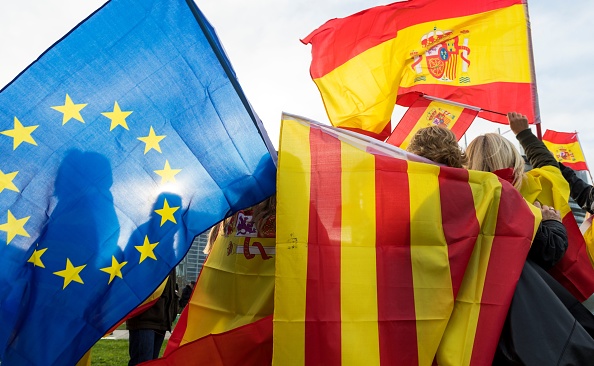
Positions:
(471, 52)
(381, 260)
(574, 271)
(566, 148)
(233, 293)
(424, 113)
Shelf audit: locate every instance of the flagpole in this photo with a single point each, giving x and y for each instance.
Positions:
(478, 109)
(538, 131)
(577, 137)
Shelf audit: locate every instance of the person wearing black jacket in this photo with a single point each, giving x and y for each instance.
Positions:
(147, 329)
(186, 294)
(581, 192)
(546, 325)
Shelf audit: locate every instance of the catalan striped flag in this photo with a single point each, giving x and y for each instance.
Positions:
(471, 52)
(427, 112)
(408, 261)
(574, 271)
(566, 148)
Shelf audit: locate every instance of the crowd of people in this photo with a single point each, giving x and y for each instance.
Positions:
(541, 308)
(545, 323)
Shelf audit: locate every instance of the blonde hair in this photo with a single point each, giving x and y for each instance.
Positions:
(438, 144)
(491, 152)
(212, 236)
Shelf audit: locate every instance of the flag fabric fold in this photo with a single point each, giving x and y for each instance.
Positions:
(566, 148)
(575, 270)
(122, 142)
(407, 260)
(234, 289)
(475, 53)
(248, 345)
(425, 112)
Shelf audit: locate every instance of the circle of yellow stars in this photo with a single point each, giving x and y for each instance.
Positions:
(23, 133)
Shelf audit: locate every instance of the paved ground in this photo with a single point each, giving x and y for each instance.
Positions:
(123, 334)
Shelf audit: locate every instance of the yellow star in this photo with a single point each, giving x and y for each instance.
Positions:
(167, 212)
(167, 174)
(36, 258)
(71, 273)
(6, 181)
(14, 227)
(117, 117)
(146, 249)
(20, 134)
(70, 110)
(114, 270)
(152, 141)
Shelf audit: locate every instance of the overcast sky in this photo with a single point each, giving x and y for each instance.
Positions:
(261, 38)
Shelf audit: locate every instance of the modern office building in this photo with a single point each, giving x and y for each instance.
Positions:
(189, 268)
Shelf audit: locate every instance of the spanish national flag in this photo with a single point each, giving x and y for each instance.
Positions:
(427, 112)
(383, 260)
(566, 148)
(228, 320)
(472, 52)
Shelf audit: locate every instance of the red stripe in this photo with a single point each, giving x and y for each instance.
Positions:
(248, 345)
(460, 225)
(500, 97)
(395, 292)
(409, 121)
(560, 137)
(322, 313)
(339, 40)
(508, 254)
(177, 335)
(464, 121)
(378, 136)
(580, 165)
(574, 271)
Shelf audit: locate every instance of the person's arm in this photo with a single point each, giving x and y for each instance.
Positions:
(537, 153)
(581, 192)
(550, 242)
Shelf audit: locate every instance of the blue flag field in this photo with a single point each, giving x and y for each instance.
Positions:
(122, 142)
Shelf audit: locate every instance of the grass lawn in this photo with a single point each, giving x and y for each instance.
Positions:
(112, 352)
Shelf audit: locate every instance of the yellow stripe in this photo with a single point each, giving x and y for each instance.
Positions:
(547, 186)
(293, 182)
(426, 119)
(430, 263)
(456, 347)
(358, 287)
(573, 150)
(361, 92)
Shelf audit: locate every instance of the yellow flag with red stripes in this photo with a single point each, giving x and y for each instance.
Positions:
(566, 148)
(471, 52)
(575, 270)
(385, 260)
(426, 112)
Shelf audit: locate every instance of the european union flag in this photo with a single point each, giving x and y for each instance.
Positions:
(122, 142)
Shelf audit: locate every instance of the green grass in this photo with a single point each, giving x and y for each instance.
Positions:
(113, 352)
(110, 352)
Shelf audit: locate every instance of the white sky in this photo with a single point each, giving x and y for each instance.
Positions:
(261, 38)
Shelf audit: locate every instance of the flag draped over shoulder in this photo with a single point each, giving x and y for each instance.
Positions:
(424, 113)
(234, 291)
(408, 261)
(122, 142)
(575, 270)
(472, 52)
(566, 148)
